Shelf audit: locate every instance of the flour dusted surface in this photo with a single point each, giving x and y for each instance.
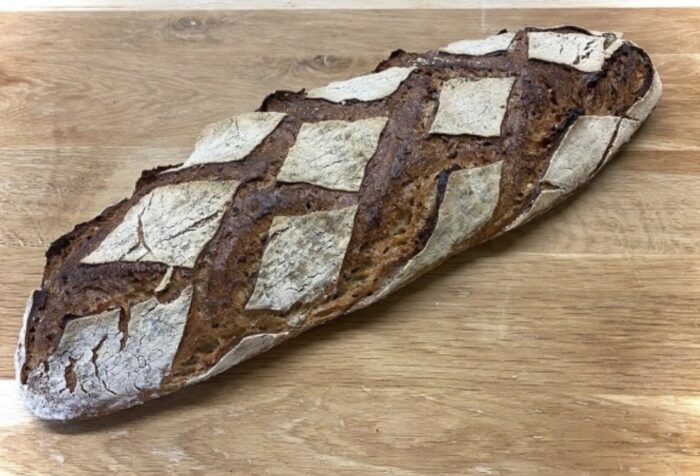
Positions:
(332, 154)
(233, 139)
(170, 225)
(105, 364)
(580, 51)
(303, 256)
(472, 106)
(484, 46)
(368, 87)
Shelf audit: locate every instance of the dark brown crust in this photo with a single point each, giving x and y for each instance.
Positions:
(396, 213)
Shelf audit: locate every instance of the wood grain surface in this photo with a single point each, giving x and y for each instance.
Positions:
(571, 346)
(102, 5)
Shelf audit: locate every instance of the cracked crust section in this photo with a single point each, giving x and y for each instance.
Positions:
(580, 51)
(398, 205)
(302, 258)
(169, 225)
(90, 370)
(368, 87)
(333, 154)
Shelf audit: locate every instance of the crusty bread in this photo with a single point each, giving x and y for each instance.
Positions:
(319, 203)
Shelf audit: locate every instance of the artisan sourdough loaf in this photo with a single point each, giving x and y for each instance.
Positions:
(319, 203)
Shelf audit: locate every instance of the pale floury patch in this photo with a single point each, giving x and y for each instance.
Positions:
(580, 51)
(580, 151)
(472, 106)
(248, 347)
(368, 87)
(302, 258)
(232, 139)
(103, 372)
(332, 154)
(171, 224)
(470, 199)
(484, 46)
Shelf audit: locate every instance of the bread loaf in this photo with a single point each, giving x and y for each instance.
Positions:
(320, 203)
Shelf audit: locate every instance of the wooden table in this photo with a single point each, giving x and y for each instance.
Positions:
(571, 346)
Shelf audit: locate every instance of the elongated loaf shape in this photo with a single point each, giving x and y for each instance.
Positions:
(319, 203)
